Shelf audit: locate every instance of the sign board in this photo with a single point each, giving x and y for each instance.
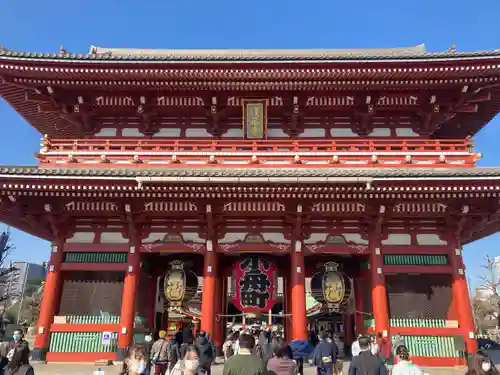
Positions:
(106, 339)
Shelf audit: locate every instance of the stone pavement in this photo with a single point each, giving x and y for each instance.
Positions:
(84, 369)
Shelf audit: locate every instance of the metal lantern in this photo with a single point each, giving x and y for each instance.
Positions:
(179, 285)
(331, 287)
(255, 283)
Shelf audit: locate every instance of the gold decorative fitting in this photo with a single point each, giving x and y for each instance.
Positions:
(442, 159)
(374, 158)
(408, 158)
(331, 266)
(177, 265)
(335, 158)
(479, 156)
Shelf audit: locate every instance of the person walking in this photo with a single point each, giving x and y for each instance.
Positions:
(228, 347)
(136, 362)
(404, 365)
(282, 363)
(325, 355)
(206, 353)
(19, 364)
(481, 364)
(189, 364)
(366, 363)
(265, 347)
(355, 350)
(159, 354)
(245, 362)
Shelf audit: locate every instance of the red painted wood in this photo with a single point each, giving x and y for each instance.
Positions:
(179, 247)
(417, 269)
(304, 165)
(438, 361)
(51, 296)
(97, 267)
(85, 327)
(80, 357)
(134, 145)
(129, 295)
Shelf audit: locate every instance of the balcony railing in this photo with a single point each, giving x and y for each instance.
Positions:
(192, 151)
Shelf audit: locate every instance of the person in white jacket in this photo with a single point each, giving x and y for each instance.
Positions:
(355, 349)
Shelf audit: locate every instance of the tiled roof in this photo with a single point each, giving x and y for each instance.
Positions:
(131, 54)
(379, 173)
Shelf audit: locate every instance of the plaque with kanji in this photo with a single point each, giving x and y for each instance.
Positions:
(255, 284)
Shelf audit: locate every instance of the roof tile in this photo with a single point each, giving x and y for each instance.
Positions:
(116, 54)
(254, 172)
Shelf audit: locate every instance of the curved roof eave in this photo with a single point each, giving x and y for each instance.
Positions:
(116, 56)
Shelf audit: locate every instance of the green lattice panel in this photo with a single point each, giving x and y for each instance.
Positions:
(416, 260)
(84, 257)
(92, 319)
(81, 342)
(369, 323)
(425, 323)
(431, 346)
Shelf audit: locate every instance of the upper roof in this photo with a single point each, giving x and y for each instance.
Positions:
(247, 174)
(251, 55)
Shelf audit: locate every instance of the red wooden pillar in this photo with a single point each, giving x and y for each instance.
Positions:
(298, 294)
(50, 302)
(379, 290)
(153, 298)
(286, 305)
(359, 320)
(208, 291)
(219, 290)
(461, 299)
(127, 316)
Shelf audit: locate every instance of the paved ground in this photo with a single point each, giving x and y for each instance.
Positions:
(84, 369)
(81, 369)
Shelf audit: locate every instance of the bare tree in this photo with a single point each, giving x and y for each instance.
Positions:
(6, 246)
(491, 284)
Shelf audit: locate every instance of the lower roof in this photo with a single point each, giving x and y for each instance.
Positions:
(217, 171)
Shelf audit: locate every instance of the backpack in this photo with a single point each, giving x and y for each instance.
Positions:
(230, 351)
(259, 351)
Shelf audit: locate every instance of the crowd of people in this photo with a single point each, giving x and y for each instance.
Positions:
(262, 352)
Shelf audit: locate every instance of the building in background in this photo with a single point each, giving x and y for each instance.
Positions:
(483, 293)
(18, 281)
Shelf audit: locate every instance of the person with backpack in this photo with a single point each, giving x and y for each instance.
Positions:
(366, 363)
(228, 347)
(159, 354)
(264, 348)
(175, 350)
(205, 352)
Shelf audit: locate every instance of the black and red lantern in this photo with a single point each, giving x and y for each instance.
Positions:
(255, 283)
(331, 287)
(179, 285)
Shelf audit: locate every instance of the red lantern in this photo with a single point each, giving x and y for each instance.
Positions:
(255, 281)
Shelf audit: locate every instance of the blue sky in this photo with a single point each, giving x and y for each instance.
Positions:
(45, 25)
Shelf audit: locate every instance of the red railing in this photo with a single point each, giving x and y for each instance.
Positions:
(378, 146)
(349, 152)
